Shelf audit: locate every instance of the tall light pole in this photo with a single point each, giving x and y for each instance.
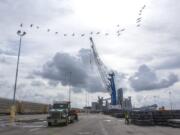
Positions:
(170, 100)
(13, 107)
(154, 99)
(70, 86)
(20, 34)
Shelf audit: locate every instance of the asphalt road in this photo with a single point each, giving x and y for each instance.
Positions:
(88, 124)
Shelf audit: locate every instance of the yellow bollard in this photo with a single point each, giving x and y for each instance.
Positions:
(12, 113)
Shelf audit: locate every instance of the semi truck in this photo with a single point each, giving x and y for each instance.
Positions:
(61, 113)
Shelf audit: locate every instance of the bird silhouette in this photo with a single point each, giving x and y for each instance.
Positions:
(144, 7)
(139, 18)
(18, 32)
(138, 21)
(119, 34)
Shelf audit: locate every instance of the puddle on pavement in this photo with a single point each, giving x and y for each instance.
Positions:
(121, 120)
(107, 120)
(3, 125)
(24, 125)
(33, 126)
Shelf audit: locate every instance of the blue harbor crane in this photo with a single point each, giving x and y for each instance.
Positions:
(106, 76)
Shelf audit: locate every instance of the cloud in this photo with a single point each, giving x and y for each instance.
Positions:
(6, 56)
(172, 62)
(146, 79)
(7, 52)
(72, 70)
(6, 88)
(33, 11)
(158, 38)
(76, 71)
(37, 83)
(30, 76)
(3, 84)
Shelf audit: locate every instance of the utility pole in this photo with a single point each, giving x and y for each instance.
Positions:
(144, 100)
(154, 99)
(66, 81)
(170, 100)
(70, 86)
(86, 98)
(13, 111)
(20, 34)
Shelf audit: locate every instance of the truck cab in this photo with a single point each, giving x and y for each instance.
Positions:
(60, 113)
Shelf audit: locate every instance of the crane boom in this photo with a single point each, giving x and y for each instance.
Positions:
(100, 66)
(107, 78)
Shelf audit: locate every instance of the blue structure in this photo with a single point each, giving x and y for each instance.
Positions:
(113, 89)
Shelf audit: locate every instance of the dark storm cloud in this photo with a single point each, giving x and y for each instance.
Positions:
(146, 79)
(72, 70)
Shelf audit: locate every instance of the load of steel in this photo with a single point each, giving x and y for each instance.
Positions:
(156, 117)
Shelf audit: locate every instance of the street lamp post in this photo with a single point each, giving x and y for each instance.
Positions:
(20, 34)
(70, 86)
(154, 99)
(170, 100)
(13, 107)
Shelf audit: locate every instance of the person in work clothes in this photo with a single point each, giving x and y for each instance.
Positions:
(126, 118)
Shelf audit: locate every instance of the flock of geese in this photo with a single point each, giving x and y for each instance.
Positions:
(118, 32)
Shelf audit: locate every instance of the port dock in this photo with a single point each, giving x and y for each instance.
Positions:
(88, 124)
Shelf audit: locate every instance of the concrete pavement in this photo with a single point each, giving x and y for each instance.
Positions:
(89, 124)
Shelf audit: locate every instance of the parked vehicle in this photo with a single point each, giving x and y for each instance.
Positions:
(61, 113)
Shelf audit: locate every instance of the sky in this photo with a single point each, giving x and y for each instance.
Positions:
(138, 40)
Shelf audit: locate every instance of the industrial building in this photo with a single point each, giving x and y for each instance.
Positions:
(122, 103)
(126, 104)
(120, 96)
